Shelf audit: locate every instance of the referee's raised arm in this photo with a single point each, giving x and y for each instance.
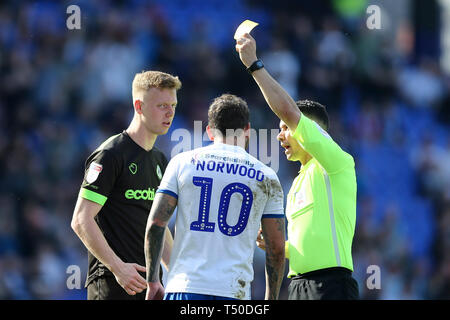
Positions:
(276, 97)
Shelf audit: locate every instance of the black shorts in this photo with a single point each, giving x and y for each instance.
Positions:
(107, 288)
(102, 285)
(325, 284)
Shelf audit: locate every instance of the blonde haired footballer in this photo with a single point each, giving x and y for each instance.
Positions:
(117, 192)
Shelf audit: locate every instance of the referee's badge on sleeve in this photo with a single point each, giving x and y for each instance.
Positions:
(93, 172)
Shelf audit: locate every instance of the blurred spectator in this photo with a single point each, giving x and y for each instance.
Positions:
(431, 161)
(284, 66)
(421, 85)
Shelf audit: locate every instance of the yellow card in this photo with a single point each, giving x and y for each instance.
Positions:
(244, 27)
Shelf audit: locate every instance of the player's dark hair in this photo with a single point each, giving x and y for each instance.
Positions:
(314, 110)
(228, 112)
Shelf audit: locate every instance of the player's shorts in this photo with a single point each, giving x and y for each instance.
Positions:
(104, 286)
(326, 284)
(107, 288)
(193, 296)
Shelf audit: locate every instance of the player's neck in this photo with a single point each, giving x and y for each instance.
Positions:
(139, 134)
(304, 158)
(232, 142)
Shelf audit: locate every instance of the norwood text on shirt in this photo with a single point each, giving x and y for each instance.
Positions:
(230, 168)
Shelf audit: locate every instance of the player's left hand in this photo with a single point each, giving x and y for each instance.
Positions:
(155, 291)
(246, 47)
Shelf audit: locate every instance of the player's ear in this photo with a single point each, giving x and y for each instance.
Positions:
(138, 106)
(210, 131)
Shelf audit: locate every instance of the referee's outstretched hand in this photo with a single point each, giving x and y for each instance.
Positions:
(128, 277)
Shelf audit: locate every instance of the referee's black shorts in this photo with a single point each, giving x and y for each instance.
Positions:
(326, 284)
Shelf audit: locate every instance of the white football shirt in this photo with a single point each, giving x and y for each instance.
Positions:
(223, 193)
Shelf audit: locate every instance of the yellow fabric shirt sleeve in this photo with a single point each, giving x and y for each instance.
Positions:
(318, 143)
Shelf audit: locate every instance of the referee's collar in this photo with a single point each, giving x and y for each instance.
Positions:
(304, 166)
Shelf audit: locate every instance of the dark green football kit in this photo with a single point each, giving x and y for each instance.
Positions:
(123, 178)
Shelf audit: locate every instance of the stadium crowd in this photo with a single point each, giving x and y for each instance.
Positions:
(64, 91)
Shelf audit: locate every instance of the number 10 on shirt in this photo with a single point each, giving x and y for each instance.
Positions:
(203, 223)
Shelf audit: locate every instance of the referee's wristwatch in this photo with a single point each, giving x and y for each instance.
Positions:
(258, 64)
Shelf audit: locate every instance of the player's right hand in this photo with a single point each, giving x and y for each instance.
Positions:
(128, 277)
(155, 291)
(260, 240)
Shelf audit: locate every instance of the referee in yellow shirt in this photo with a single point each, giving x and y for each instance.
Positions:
(321, 204)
